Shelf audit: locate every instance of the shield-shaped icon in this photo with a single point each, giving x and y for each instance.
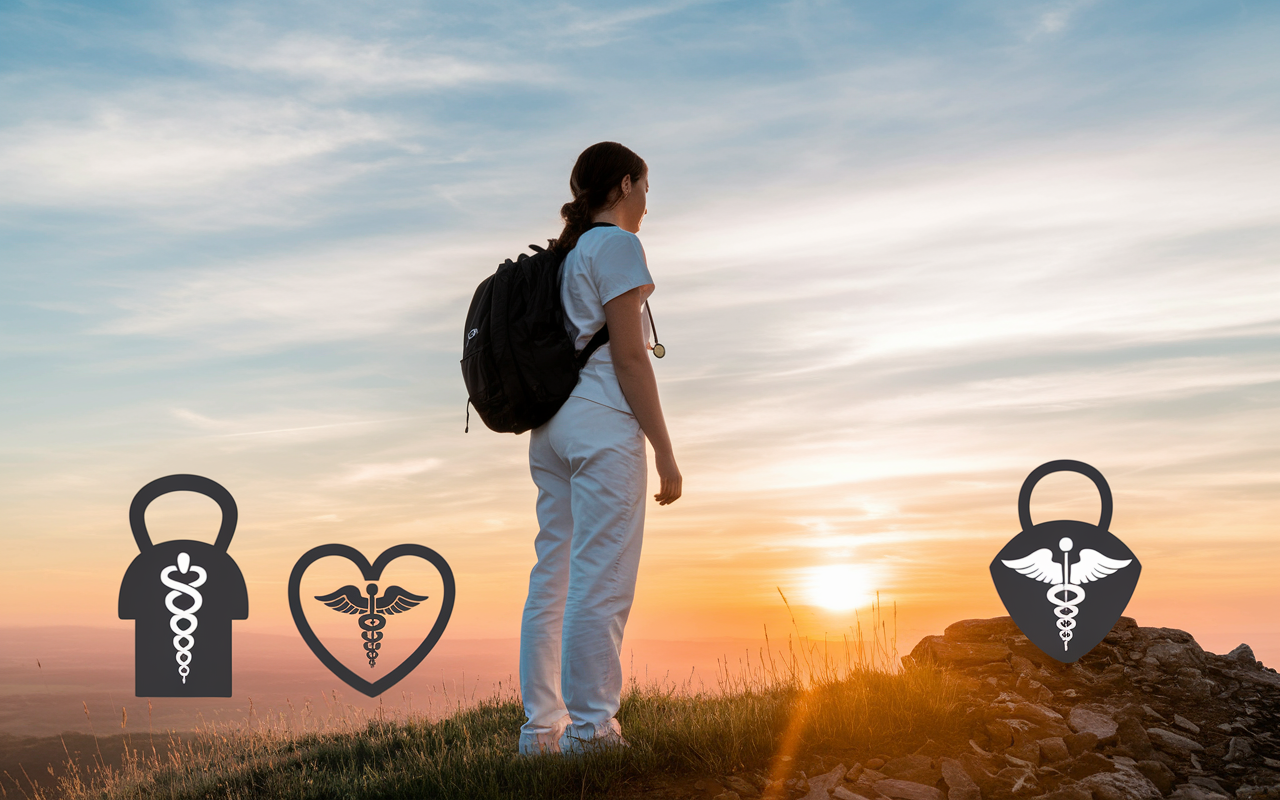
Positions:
(1065, 583)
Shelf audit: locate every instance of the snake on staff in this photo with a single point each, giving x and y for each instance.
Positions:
(183, 623)
(373, 611)
(1066, 595)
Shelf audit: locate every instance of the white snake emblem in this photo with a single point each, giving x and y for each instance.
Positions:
(183, 640)
(1092, 566)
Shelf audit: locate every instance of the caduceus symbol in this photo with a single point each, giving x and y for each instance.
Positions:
(373, 610)
(1041, 565)
(183, 623)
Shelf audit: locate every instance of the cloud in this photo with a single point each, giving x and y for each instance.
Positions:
(298, 427)
(390, 471)
(1056, 19)
(152, 150)
(356, 291)
(597, 22)
(348, 64)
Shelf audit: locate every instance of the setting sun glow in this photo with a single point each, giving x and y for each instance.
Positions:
(839, 587)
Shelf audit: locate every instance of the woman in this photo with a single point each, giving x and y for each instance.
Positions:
(588, 462)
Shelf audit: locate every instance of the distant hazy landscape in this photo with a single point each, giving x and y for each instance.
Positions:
(93, 667)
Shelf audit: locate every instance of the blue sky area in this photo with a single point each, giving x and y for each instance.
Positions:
(904, 253)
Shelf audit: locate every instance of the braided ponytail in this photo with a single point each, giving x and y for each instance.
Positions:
(598, 172)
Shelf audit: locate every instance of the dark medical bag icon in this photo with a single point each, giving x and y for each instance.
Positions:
(1042, 572)
(183, 595)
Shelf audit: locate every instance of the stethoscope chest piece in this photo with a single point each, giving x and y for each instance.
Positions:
(658, 350)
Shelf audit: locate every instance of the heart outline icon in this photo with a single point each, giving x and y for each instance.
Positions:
(371, 572)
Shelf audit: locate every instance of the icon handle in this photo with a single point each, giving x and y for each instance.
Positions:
(1064, 465)
(183, 483)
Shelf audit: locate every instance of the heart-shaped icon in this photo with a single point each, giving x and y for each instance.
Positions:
(351, 600)
(1064, 556)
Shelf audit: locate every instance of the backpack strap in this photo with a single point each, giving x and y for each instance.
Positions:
(601, 337)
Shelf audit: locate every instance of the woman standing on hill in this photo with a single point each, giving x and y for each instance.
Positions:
(588, 462)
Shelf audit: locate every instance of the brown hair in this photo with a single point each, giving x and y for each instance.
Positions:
(599, 170)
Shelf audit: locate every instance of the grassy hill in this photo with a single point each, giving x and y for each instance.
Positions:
(762, 723)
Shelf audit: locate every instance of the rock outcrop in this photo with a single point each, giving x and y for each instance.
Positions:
(1146, 714)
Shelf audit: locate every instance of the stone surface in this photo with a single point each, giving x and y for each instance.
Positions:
(958, 654)
(1146, 713)
(1177, 654)
(1134, 739)
(916, 768)
(981, 630)
(1173, 742)
(1238, 749)
(960, 785)
(1073, 792)
(1085, 721)
(1243, 654)
(976, 768)
(1125, 783)
(1000, 733)
(820, 786)
(1078, 743)
(740, 786)
(1053, 749)
(1159, 774)
(1207, 783)
(1017, 780)
(1037, 714)
(1089, 764)
(907, 790)
(1190, 791)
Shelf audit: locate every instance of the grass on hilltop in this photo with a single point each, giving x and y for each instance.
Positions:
(858, 697)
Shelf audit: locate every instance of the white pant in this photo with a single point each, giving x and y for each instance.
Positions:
(588, 462)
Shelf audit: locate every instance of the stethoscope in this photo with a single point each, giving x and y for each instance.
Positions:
(658, 350)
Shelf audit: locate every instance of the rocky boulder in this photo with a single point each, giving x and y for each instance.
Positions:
(1147, 714)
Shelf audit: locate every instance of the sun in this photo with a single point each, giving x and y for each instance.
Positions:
(840, 587)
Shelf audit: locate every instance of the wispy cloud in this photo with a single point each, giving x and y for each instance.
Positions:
(1060, 15)
(593, 24)
(282, 425)
(160, 149)
(357, 291)
(392, 471)
(347, 64)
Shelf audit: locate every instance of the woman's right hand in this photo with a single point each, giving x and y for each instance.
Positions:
(669, 475)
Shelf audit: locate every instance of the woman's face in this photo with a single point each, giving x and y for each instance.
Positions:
(632, 207)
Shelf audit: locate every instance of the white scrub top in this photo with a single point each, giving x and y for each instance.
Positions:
(606, 262)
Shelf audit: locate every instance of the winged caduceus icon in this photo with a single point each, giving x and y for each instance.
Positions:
(373, 610)
(1091, 566)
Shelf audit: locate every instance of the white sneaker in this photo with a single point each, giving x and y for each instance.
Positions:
(549, 742)
(607, 735)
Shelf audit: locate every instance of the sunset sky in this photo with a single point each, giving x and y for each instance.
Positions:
(904, 253)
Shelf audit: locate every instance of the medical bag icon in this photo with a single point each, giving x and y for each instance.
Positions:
(1065, 620)
(183, 595)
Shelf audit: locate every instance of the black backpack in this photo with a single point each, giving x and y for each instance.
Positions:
(517, 358)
